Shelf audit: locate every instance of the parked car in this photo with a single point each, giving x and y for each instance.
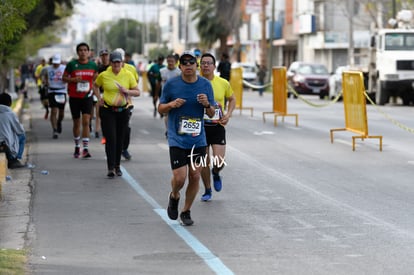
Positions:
(335, 81)
(249, 71)
(309, 78)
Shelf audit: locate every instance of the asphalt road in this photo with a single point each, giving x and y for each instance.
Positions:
(292, 202)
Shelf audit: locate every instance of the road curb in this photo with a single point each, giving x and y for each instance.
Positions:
(15, 196)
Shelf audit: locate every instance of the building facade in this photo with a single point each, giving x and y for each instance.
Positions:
(306, 30)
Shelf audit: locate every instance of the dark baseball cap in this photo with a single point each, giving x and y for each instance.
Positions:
(103, 51)
(187, 53)
(115, 56)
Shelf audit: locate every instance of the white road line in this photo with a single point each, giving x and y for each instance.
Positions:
(199, 248)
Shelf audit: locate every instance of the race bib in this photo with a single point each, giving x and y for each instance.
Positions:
(190, 126)
(60, 98)
(83, 87)
(217, 114)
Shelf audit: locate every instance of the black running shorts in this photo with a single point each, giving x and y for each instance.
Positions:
(80, 106)
(180, 157)
(215, 134)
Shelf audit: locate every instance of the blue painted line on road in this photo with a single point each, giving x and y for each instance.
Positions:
(200, 249)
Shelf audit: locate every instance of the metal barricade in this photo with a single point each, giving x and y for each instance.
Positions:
(279, 96)
(236, 82)
(355, 107)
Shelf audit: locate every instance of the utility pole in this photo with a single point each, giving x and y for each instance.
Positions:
(351, 57)
(158, 24)
(394, 9)
(263, 41)
(271, 37)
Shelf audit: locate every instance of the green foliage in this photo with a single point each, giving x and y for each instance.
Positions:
(154, 53)
(128, 34)
(25, 27)
(207, 27)
(12, 19)
(216, 20)
(373, 7)
(47, 12)
(20, 18)
(12, 261)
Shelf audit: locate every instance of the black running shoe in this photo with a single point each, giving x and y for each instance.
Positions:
(186, 218)
(118, 171)
(14, 164)
(85, 154)
(59, 127)
(77, 153)
(172, 209)
(126, 155)
(110, 174)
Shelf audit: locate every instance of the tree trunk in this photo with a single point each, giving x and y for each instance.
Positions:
(223, 45)
(3, 80)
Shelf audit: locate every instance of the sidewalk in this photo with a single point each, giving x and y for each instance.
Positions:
(16, 196)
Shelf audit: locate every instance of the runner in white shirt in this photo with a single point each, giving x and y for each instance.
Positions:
(56, 94)
(171, 70)
(167, 73)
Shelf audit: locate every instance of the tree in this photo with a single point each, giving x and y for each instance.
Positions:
(382, 10)
(128, 34)
(217, 20)
(22, 28)
(12, 19)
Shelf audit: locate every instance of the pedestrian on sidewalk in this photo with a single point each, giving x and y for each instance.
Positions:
(118, 84)
(261, 75)
(215, 127)
(185, 98)
(224, 67)
(12, 134)
(80, 74)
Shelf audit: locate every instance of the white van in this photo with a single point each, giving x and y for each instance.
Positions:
(249, 71)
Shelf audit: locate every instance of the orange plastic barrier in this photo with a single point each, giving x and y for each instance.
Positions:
(3, 169)
(279, 96)
(355, 107)
(236, 83)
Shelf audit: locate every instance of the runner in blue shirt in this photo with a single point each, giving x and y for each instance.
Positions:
(186, 98)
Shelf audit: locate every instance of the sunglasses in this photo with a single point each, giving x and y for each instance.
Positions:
(186, 62)
(206, 63)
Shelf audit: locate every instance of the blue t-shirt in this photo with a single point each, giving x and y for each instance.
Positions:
(191, 111)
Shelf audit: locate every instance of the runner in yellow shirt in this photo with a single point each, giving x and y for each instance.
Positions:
(214, 127)
(130, 107)
(118, 85)
(41, 86)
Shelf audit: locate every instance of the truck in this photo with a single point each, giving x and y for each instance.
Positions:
(391, 70)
